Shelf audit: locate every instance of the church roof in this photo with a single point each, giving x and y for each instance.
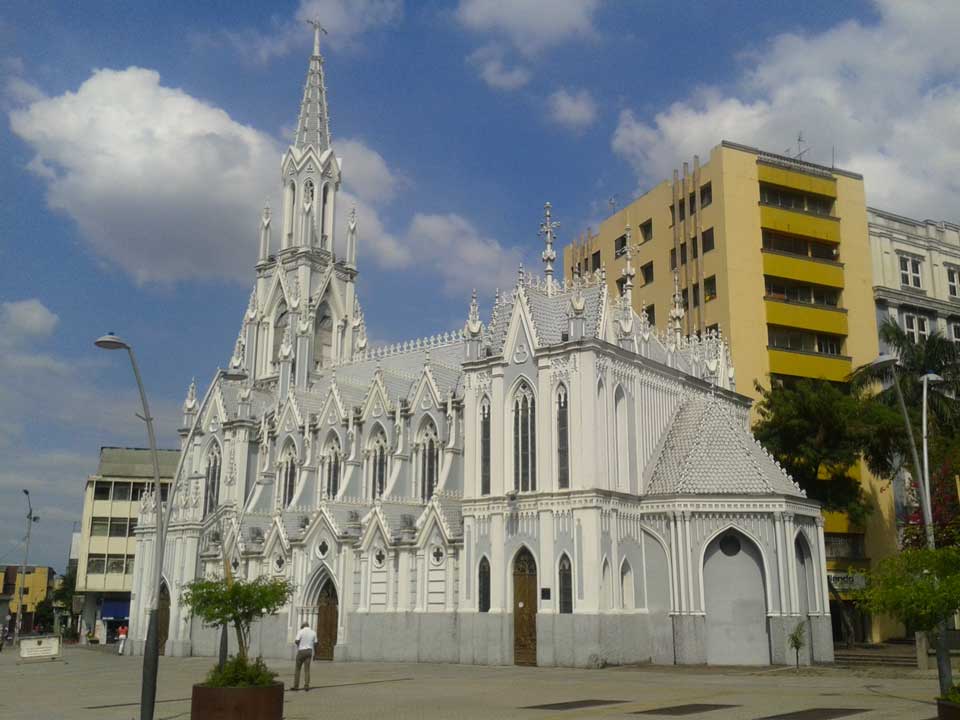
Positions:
(313, 126)
(708, 451)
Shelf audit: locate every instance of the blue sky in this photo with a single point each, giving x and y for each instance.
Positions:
(140, 141)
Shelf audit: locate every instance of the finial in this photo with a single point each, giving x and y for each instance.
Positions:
(317, 29)
(628, 272)
(549, 255)
(677, 312)
(520, 273)
(191, 402)
(473, 322)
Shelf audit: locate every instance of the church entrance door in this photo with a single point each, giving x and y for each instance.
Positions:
(327, 614)
(524, 609)
(163, 618)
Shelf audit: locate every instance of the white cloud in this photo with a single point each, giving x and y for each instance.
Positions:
(344, 20)
(489, 62)
(574, 110)
(25, 318)
(531, 25)
(884, 94)
(463, 258)
(365, 171)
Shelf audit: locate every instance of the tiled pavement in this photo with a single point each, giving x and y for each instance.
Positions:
(95, 685)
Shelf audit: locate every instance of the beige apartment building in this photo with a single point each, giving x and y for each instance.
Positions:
(106, 554)
(774, 253)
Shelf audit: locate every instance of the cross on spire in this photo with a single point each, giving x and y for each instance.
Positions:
(549, 255)
(317, 29)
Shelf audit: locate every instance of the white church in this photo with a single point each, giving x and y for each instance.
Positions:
(558, 484)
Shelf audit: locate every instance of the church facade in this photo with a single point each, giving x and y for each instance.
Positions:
(561, 484)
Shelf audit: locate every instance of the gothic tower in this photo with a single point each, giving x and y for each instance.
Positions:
(304, 315)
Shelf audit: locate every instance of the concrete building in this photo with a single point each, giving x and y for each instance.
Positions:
(106, 548)
(772, 252)
(37, 584)
(562, 484)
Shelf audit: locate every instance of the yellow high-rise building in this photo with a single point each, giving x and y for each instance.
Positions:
(774, 253)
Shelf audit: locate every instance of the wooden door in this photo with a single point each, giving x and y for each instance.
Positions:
(163, 618)
(524, 609)
(327, 612)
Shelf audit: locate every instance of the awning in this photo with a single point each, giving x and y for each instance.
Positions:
(115, 610)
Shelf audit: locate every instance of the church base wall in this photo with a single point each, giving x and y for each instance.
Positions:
(689, 639)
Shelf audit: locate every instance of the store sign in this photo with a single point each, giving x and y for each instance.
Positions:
(39, 648)
(845, 582)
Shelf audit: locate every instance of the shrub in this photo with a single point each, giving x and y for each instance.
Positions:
(239, 672)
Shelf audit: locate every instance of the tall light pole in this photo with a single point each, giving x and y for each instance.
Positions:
(884, 362)
(151, 650)
(31, 519)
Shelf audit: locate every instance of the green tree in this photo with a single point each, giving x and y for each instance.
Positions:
(236, 603)
(919, 588)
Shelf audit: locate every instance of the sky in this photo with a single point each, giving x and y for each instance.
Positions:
(139, 142)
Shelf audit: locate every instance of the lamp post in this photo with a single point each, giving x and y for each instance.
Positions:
(151, 650)
(884, 362)
(31, 519)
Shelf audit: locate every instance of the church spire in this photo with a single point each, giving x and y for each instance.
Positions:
(313, 127)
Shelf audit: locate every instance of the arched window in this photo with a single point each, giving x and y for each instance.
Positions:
(601, 424)
(566, 585)
(212, 488)
(288, 475)
(626, 587)
(524, 440)
(563, 439)
(428, 447)
(377, 463)
(323, 337)
(485, 446)
(333, 460)
(621, 435)
(324, 230)
(309, 214)
(483, 586)
(289, 202)
(280, 322)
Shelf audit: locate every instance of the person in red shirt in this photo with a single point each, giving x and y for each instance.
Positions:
(122, 634)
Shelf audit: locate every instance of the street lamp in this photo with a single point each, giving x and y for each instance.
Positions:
(31, 519)
(151, 650)
(928, 379)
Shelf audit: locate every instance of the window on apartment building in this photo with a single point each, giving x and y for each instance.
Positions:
(118, 527)
(128, 565)
(844, 546)
(101, 490)
(673, 258)
(121, 491)
(673, 213)
(706, 195)
(710, 288)
(132, 526)
(620, 246)
(115, 563)
(915, 326)
(693, 246)
(793, 200)
(828, 344)
(910, 271)
(646, 272)
(953, 282)
(651, 312)
(646, 231)
(785, 338)
(683, 253)
(96, 564)
(595, 261)
(791, 291)
(99, 526)
(798, 246)
(708, 242)
(692, 203)
(136, 491)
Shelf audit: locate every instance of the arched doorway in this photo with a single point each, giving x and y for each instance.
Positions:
(327, 615)
(524, 609)
(163, 618)
(736, 602)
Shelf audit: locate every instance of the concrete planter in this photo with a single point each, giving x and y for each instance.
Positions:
(948, 710)
(252, 703)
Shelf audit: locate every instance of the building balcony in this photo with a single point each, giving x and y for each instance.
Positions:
(797, 179)
(800, 363)
(818, 318)
(804, 269)
(798, 222)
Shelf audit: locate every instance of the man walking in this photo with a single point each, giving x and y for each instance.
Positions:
(304, 643)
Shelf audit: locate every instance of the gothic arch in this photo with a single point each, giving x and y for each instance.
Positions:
(289, 207)
(522, 423)
(628, 591)
(288, 469)
(427, 457)
(321, 575)
(603, 431)
(324, 346)
(213, 471)
(750, 536)
(565, 584)
(621, 437)
(483, 584)
(806, 577)
(377, 453)
(606, 586)
(562, 435)
(332, 465)
(484, 422)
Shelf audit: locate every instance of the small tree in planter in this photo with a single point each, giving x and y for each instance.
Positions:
(797, 640)
(920, 588)
(241, 688)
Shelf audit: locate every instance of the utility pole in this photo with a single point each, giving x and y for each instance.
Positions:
(31, 519)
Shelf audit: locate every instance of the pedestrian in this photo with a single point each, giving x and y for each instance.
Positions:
(304, 642)
(122, 635)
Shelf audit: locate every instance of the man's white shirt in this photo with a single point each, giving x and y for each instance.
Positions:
(306, 639)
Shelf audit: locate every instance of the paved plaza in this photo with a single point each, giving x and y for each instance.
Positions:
(89, 684)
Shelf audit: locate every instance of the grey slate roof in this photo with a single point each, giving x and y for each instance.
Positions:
(708, 451)
(120, 462)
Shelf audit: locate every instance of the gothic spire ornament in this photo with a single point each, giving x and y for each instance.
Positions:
(313, 127)
(549, 254)
(676, 311)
